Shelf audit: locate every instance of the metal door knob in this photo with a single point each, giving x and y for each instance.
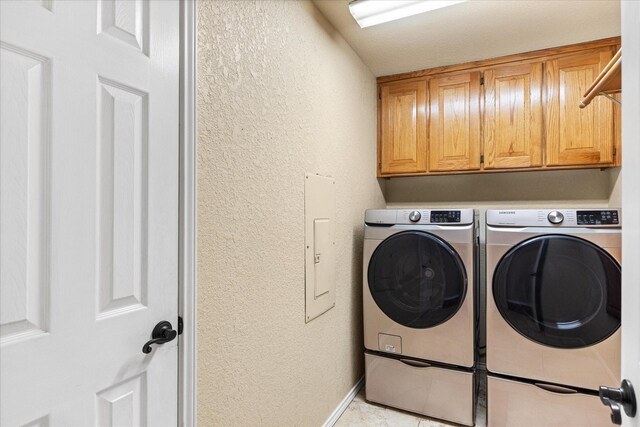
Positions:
(163, 332)
(618, 399)
(616, 413)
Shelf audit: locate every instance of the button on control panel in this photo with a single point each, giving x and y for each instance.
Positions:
(555, 217)
(597, 217)
(445, 216)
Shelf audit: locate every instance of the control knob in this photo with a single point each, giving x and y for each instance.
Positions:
(414, 216)
(555, 217)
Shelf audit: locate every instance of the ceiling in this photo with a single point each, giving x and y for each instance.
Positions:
(477, 29)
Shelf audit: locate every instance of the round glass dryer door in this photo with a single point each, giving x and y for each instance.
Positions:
(560, 291)
(417, 279)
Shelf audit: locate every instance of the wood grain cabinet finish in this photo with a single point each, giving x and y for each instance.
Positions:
(403, 127)
(577, 136)
(518, 112)
(454, 122)
(512, 131)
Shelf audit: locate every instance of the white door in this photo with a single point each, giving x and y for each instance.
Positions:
(631, 198)
(88, 211)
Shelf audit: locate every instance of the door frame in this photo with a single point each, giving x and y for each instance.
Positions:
(187, 363)
(630, 16)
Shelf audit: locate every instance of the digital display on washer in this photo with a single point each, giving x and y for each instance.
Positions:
(445, 216)
(597, 217)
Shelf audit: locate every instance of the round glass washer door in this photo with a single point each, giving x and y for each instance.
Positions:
(417, 279)
(560, 291)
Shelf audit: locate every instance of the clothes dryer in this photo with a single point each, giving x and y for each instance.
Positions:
(553, 310)
(419, 288)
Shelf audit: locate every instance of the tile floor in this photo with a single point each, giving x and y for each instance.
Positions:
(362, 413)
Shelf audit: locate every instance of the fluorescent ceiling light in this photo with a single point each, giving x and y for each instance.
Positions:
(373, 12)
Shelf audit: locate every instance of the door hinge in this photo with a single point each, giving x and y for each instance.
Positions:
(615, 151)
(482, 158)
(180, 325)
(481, 80)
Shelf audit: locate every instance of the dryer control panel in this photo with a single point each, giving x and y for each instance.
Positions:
(590, 218)
(598, 217)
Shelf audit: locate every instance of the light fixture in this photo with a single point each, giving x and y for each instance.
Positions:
(373, 12)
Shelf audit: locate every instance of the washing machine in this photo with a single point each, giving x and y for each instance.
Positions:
(419, 307)
(553, 314)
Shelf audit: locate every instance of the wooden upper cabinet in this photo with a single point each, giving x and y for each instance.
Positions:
(513, 116)
(525, 115)
(403, 127)
(454, 122)
(577, 136)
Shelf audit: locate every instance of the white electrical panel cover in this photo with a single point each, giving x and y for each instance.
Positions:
(320, 221)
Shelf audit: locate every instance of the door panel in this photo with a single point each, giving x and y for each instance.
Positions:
(127, 21)
(403, 144)
(122, 192)
(513, 116)
(88, 211)
(454, 122)
(577, 136)
(24, 193)
(631, 201)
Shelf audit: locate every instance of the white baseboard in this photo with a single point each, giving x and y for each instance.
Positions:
(333, 418)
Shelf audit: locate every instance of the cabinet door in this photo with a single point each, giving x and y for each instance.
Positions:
(513, 116)
(403, 127)
(454, 124)
(577, 136)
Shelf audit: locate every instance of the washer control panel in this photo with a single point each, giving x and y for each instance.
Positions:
(445, 216)
(598, 217)
(440, 217)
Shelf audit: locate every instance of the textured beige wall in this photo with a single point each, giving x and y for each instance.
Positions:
(280, 93)
(517, 189)
(545, 189)
(615, 187)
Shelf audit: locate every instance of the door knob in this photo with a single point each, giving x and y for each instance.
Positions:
(618, 399)
(163, 332)
(616, 413)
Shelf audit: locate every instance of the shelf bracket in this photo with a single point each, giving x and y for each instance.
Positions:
(611, 98)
